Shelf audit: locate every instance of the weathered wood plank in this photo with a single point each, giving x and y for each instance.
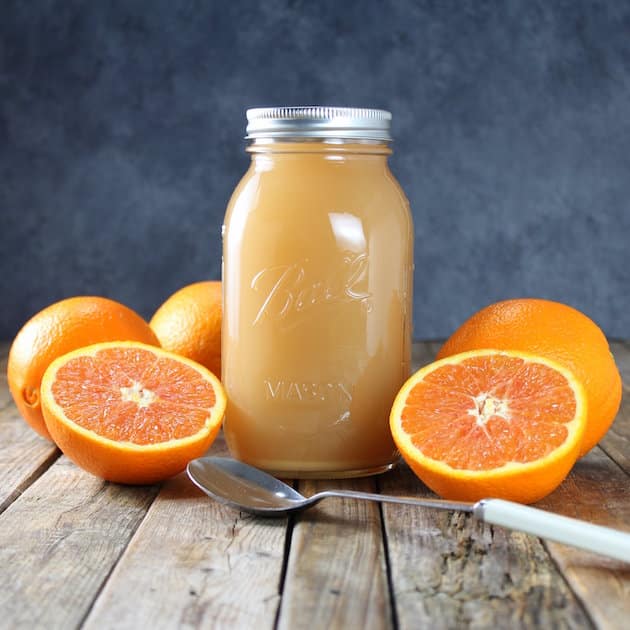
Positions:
(336, 575)
(195, 563)
(450, 571)
(24, 455)
(616, 442)
(60, 540)
(597, 490)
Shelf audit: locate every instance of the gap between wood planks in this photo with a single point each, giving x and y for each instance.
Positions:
(30, 480)
(388, 563)
(285, 559)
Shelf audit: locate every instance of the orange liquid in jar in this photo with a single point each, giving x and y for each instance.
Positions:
(317, 309)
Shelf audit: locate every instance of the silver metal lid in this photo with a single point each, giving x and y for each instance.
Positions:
(318, 122)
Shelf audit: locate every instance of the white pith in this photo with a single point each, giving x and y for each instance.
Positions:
(138, 394)
(486, 406)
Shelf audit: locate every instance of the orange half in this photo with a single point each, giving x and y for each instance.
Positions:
(129, 412)
(490, 423)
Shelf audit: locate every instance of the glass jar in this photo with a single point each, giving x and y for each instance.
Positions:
(317, 284)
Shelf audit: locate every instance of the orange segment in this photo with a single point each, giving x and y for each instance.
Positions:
(490, 423)
(129, 412)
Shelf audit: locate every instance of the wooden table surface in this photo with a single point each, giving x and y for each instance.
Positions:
(79, 552)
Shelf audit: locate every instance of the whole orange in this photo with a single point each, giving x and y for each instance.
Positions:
(60, 328)
(558, 332)
(189, 323)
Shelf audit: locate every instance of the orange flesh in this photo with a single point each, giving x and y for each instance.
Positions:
(152, 399)
(489, 411)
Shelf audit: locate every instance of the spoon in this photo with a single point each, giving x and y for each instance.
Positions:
(249, 489)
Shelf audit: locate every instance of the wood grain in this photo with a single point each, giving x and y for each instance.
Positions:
(60, 541)
(195, 563)
(336, 575)
(450, 571)
(596, 490)
(24, 455)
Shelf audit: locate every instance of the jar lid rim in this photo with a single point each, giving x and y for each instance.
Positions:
(318, 121)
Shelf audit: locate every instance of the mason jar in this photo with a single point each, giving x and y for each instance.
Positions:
(317, 294)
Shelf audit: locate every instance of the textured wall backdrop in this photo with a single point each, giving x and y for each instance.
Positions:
(121, 129)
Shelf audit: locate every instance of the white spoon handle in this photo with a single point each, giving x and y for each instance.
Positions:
(562, 529)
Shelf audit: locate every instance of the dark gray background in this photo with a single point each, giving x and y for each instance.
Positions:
(121, 129)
